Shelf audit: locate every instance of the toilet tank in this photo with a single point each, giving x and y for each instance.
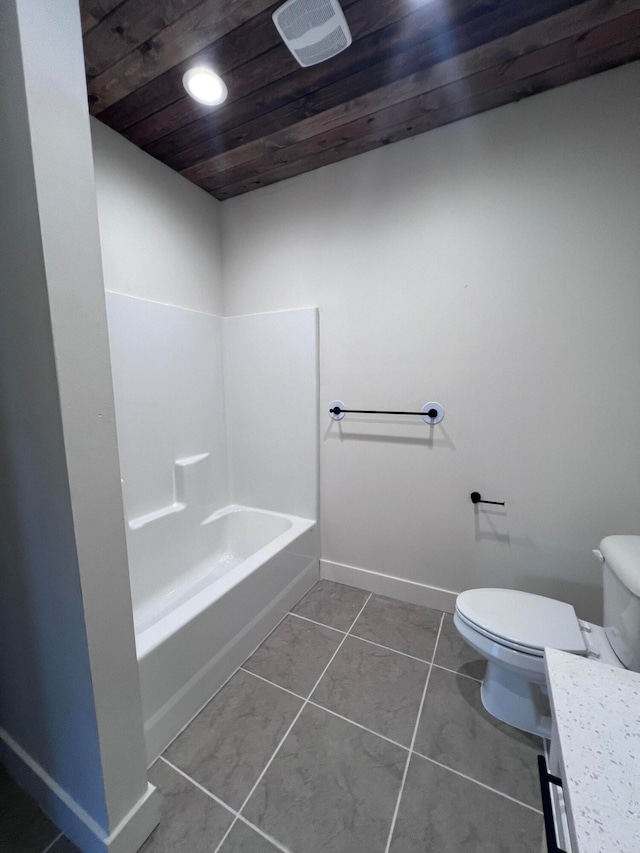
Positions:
(621, 590)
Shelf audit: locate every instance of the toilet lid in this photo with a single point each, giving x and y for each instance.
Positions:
(529, 622)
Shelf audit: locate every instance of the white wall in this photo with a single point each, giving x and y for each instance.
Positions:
(492, 265)
(160, 234)
(271, 383)
(70, 710)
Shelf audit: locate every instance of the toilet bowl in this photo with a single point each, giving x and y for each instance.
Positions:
(511, 629)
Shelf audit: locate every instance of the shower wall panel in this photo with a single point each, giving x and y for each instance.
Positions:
(169, 393)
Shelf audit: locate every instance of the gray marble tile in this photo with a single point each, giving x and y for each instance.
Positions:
(190, 821)
(243, 839)
(24, 827)
(375, 687)
(333, 604)
(405, 627)
(442, 811)
(295, 654)
(454, 653)
(331, 787)
(456, 730)
(226, 747)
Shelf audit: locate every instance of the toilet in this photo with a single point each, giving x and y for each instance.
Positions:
(511, 629)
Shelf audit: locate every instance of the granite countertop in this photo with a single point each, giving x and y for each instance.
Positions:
(596, 709)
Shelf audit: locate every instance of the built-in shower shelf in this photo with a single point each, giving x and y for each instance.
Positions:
(141, 520)
(191, 485)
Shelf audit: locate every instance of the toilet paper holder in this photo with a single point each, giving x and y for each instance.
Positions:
(476, 498)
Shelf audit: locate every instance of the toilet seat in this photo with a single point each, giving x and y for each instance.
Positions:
(501, 641)
(521, 621)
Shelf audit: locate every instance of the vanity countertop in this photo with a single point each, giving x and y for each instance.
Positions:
(596, 710)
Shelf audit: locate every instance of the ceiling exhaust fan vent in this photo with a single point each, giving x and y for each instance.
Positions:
(313, 30)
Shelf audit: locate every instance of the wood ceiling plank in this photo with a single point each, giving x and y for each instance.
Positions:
(244, 79)
(574, 22)
(252, 38)
(87, 21)
(541, 64)
(380, 55)
(93, 11)
(205, 23)
(476, 32)
(445, 113)
(126, 27)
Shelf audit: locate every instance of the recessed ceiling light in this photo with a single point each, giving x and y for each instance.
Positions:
(205, 86)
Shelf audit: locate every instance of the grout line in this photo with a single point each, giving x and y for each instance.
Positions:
(230, 676)
(475, 781)
(51, 843)
(413, 740)
(277, 844)
(389, 649)
(225, 806)
(294, 721)
(315, 622)
(272, 683)
(359, 725)
(455, 672)
(201, 709)
(199, 786)
(379, 645)
(328, 710)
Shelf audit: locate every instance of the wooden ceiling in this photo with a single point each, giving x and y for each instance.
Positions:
(414, 65)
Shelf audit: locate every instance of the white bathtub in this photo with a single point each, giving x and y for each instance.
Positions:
(197, 619)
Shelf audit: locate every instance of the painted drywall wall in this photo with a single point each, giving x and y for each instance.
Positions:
(271, 386)
(160, 234)
(493, 266)
(70, 712)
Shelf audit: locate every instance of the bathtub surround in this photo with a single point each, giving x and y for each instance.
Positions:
(169, 391)
(491, 265)
(233, 398)
(70, 714)
(218, 435)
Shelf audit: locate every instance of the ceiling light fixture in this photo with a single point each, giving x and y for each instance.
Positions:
(205, 86)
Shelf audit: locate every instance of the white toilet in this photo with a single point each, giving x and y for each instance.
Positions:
(511, 630)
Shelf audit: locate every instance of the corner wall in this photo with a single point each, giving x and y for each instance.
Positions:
(70, 712)
(491, 265)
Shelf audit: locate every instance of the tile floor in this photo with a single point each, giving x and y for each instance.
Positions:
(356, 727)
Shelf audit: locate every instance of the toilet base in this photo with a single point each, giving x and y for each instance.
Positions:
(516, 700)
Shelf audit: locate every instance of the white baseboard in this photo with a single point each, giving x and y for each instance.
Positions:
(400, 588)
(162, 728)
(69, 816)
(134, 829)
